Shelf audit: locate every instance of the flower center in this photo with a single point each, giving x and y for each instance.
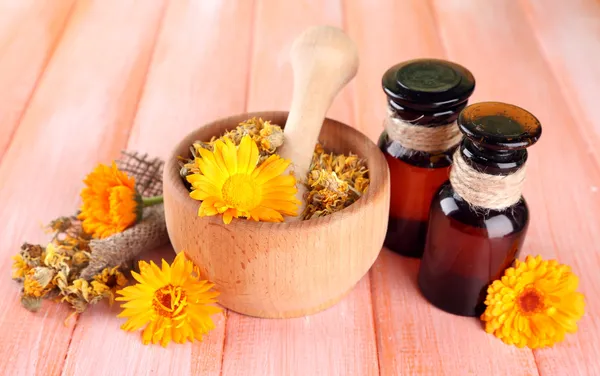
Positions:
(169, 301)
(530, 301)
(240, 192)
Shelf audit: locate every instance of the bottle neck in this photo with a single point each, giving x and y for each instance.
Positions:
(426, 117)
(490, 161)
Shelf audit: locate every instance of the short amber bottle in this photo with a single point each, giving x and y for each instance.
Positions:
(427, 95)
(472, 236)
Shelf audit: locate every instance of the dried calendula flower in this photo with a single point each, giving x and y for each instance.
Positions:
(38, 282)
(334, 182)
(80, 293)
(109, 281)
(32, 254)
(267, 136)
(20, 268)
(54, 256)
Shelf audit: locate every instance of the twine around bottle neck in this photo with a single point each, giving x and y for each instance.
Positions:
(420, 138)
(485, 191)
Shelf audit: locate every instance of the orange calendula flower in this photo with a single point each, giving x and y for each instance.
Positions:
(232, 184)
(110, 202)
(171, 302)
(534, 304)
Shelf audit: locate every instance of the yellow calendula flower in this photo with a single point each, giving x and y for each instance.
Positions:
(534, 304)
(110, 202)
(230, 183)
(171, 302)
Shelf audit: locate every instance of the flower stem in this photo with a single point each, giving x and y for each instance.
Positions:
(150, 201)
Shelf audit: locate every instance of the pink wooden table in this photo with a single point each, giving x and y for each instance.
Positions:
(82, 80)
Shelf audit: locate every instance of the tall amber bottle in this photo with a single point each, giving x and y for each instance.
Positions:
(424, 99)
(478, 219)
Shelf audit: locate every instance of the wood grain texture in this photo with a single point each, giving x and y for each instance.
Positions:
(338, 341)
(248, 349)
(68, 102)
(177, 99)
(414, 337)
(403, 30)
(276, 26)
(324, 60)
(565, 209)
(80, 114)
(281, 270)
(569, 36)
(29, 31)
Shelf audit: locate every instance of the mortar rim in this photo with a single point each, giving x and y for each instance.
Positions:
(180, 192)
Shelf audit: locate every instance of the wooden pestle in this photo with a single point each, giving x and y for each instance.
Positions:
(324, 59)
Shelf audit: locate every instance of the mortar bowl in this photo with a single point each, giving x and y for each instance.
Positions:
(282, 270)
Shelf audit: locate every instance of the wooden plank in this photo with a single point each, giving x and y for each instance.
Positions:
(339, 341)
(414, 337)
(80, 114)
(29, 32)
(277, 25)
(12, 13)
(386, 33)
(569, 35)
(501, 49)
(185, 89)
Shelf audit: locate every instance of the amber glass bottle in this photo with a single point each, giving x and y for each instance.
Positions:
(425, 97)
(468, 246)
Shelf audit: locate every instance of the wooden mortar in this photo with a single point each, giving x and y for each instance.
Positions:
(281, 270)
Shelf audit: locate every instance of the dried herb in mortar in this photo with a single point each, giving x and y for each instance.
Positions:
(334, 182)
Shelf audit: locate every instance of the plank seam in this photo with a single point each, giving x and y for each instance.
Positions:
(45, 64)
(354, 119)
(250, 60)
(251, 52)
(526, 8)
(436, 26)
(157, 33)
(64, 362)
(226, 319)
(373, 313)
(443, 45)
(352, 85)
(130, 125)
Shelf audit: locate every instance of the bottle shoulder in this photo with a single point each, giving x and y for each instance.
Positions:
(498, 223)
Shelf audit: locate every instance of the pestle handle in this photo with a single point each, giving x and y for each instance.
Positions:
(324, 59)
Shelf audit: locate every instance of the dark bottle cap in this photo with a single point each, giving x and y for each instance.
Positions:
(428, 85)
(499, 126)
(497, 134)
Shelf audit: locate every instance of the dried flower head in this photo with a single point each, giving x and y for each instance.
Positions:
(267, 136)
(32, 254)
(534, 304)
(80, 293)
(172, 302)
(38, 282)
(110, 202)
(334, 182)
(20, 268)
